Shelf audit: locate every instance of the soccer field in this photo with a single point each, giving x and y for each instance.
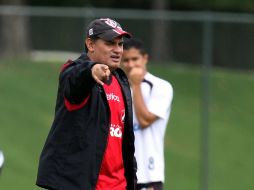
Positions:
(27, 100)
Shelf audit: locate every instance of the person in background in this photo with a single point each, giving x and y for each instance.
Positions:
(91, 142)
(1, 160)
(152, 99)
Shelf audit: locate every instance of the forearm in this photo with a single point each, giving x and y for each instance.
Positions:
(144, 116)
(77, 82)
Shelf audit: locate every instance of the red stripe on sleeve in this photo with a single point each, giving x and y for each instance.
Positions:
(73, 107)
(66, 65)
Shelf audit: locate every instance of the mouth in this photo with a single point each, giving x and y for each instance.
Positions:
(115, 58)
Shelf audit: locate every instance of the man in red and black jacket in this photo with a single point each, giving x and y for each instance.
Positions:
(91, 141)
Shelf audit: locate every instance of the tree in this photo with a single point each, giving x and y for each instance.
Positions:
(14, 33)
(161, 38)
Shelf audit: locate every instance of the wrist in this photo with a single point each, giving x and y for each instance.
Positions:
(136, 86)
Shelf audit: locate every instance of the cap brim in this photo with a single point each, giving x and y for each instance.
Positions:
(114, 33)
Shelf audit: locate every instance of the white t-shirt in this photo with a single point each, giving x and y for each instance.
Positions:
(149, 142)
(1, 159)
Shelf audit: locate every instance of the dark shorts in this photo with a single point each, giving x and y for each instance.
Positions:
(150, 186)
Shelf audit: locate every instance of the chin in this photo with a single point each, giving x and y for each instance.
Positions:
(114, 65)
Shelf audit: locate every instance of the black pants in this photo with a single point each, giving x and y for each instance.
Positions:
(150, 186)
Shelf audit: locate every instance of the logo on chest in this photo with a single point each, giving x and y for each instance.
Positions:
(113, 97)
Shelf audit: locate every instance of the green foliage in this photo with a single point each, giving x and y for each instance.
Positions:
(28, 93)
(216, 5)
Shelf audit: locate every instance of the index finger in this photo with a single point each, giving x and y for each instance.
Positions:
(98, 80)
(105, 67)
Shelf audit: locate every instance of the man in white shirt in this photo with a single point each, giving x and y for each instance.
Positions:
(152, 98)
(1, 160)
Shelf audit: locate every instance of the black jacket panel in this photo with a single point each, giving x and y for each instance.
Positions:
(72, 155)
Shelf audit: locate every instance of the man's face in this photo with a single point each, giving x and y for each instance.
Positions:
(107, 52)
(132, 58)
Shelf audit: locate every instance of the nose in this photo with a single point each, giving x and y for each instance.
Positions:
(131, 63)
(118, 49)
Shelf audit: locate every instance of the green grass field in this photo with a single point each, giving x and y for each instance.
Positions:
(27, 100)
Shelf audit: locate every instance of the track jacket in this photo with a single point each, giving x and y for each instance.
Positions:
(72, 155)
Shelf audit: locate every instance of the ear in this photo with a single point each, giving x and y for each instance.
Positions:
(89, 44)
(146, 57)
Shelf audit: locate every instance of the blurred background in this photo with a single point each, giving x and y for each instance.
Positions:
(203, 48)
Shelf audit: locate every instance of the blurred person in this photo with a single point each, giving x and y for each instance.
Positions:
(91, 141)
(152, 97)
(1, 160)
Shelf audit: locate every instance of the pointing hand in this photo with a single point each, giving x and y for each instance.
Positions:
(100, 73)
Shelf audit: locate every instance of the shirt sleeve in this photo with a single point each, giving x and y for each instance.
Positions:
(160, 99)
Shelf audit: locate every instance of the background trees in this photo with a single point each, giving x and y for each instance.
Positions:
(14, 33)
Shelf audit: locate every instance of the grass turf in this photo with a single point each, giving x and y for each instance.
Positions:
(27, 99)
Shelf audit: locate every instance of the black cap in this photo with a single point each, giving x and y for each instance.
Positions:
(106, 29)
